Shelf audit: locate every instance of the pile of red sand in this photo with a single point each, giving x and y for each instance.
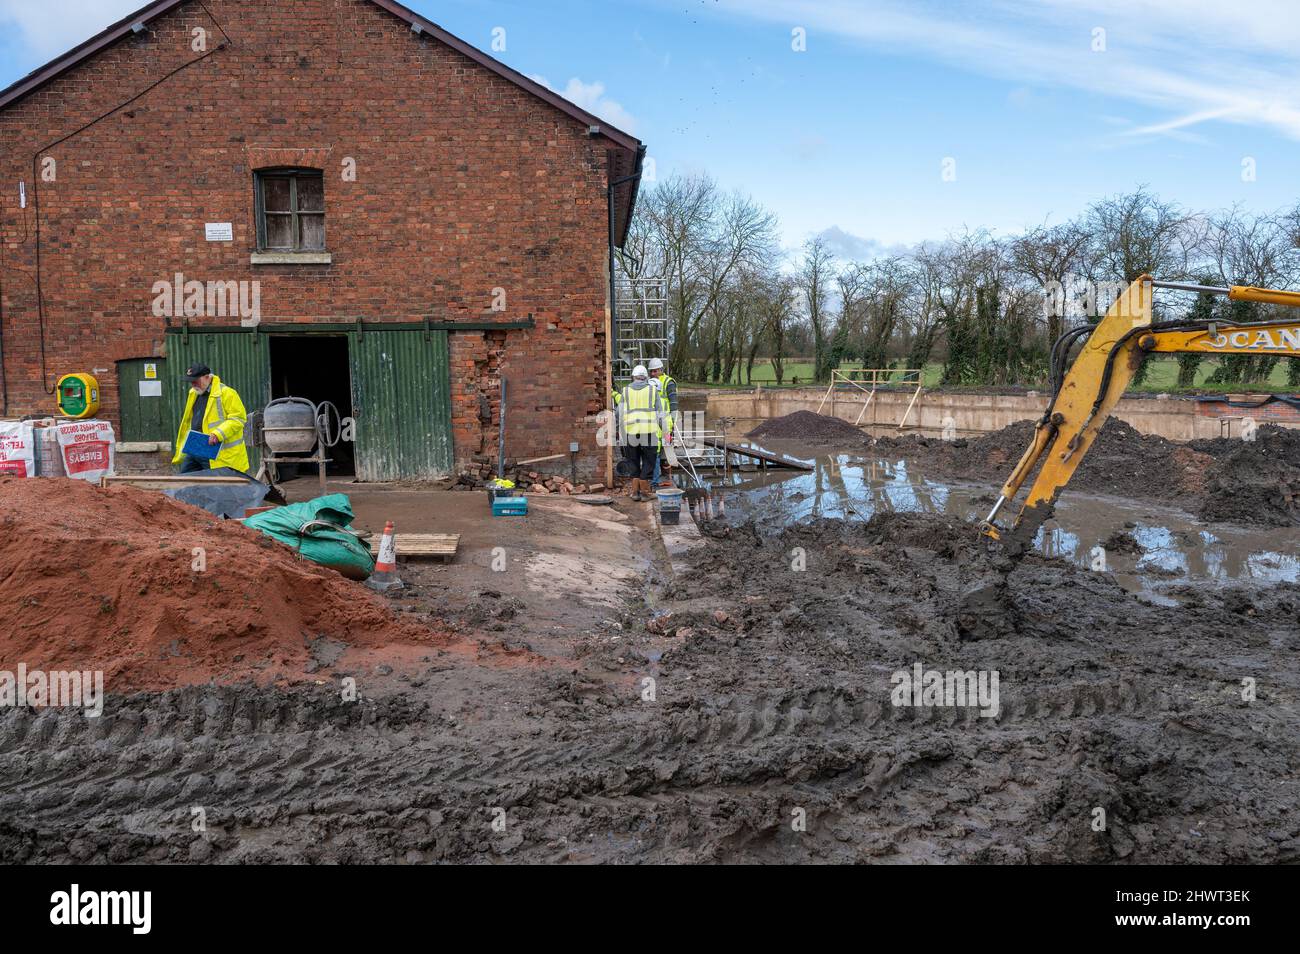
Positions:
(103, 579)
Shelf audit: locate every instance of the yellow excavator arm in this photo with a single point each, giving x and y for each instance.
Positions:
(1084, 395)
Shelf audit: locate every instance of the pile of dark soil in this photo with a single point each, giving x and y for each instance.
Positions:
(1228, 480)
(1121, 461)
(809, 427)
(1251, 485)
(1253, 481)
(1271, 440)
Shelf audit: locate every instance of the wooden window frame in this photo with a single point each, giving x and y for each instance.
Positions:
(292, 175)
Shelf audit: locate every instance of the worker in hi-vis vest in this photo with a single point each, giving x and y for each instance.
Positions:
(624, 452)
(640, 414)
(668, 388)
(214, 409)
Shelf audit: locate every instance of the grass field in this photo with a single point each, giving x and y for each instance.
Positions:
(1160, 377)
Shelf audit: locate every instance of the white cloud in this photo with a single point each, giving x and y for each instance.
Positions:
(51, 27)
(592, 98)
(855, 248)
(808, 148)
(1179, 122)
(1197, 59)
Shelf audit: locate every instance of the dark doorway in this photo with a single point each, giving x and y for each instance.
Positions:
(316, 367)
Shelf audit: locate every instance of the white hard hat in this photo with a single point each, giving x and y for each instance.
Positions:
(640, 372)
(656, 364)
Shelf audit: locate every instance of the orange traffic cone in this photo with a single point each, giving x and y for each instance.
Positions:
(385, 575)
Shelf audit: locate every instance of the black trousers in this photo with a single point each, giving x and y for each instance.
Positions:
(643, 457)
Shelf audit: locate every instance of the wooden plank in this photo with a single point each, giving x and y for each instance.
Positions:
(422, 545)
(147, 482)
(758, 453)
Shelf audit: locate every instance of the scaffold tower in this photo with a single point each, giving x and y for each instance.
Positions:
(641, 324)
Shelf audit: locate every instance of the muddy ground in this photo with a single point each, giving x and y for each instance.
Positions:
(778, 704)
(739, 710)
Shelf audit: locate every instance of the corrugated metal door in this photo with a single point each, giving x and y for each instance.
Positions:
(401, 402)
(143, 402)
(241, 360)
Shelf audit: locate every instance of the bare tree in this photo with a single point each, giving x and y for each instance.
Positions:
(1054, 258)
(853, 284)
(728, 232)
(1244, 250)
(922, 315)
(779, 305)
(816, 272)
(990, 308)
(1139, 234)
(680, 213)
(889, 281)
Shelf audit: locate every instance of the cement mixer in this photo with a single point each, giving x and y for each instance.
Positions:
(290, 427)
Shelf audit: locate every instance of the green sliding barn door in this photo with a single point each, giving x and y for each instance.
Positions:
(401, 401)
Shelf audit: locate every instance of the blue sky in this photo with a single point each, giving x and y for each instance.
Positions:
(1040, 112)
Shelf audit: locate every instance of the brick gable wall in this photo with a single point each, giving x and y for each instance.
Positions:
(465, 183)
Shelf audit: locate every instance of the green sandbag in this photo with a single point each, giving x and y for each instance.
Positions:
(318, 530)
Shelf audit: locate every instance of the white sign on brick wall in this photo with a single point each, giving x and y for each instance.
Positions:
(219, 231)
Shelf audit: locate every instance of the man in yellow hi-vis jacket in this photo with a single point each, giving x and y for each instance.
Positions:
(641, 419)
(214, 409)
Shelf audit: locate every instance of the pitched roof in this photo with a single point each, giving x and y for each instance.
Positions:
(626, 151)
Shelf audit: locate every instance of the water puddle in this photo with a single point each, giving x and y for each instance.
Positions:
(1169, 545)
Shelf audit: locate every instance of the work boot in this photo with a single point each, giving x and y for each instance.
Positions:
(636, 490)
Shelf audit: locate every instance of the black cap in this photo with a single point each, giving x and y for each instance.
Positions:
(197, 371)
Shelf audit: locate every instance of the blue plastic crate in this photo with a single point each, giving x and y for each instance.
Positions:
(509, 506)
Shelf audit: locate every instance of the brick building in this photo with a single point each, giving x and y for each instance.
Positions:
(333, 199)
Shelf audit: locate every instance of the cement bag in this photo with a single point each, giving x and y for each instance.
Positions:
(17, 449)
(87, 448)
(49, 456)
(318, 529)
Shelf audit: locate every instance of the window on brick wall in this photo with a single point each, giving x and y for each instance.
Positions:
(290, 210)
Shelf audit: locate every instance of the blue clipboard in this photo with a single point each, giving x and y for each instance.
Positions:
(196, 445)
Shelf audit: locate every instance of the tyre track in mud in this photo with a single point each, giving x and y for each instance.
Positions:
(265, 763)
